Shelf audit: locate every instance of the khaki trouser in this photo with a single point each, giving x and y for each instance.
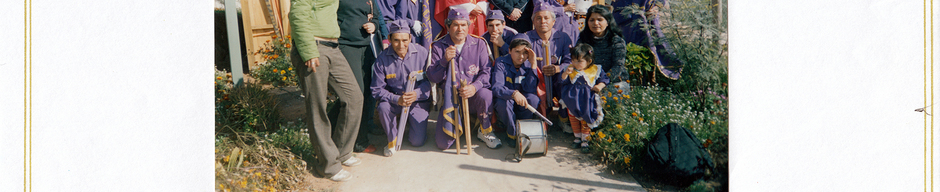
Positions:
(331, 146)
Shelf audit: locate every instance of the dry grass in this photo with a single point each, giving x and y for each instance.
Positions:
(248, 162)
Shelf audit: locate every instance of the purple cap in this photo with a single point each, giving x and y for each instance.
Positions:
(495, 14)
(543, 7)
(399, 26)
(457, 14)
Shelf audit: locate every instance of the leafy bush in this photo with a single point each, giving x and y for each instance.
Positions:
(640, 63)
(245, 108)
(630, 121)
(275, 68)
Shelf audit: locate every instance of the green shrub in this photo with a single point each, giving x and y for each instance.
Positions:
(244, 108)
(630, 121)
(295, 138)
(639, 61)
(275, 67)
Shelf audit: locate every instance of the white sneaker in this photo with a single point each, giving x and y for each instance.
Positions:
(352, 161)
(389, 152)
(490, 139)
(343, 175)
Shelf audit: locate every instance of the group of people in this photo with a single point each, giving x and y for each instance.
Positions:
(480, 56)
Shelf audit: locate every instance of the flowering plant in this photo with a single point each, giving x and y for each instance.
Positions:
(275, 67)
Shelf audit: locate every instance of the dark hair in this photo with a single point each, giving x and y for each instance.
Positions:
(582, 51)
(586, 36)
(517, 42)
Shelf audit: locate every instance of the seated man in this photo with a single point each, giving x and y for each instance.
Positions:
(497, 34)
(514, 85)
(456, 57)
(389, 81)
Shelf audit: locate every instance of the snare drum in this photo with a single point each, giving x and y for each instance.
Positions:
(538, 140)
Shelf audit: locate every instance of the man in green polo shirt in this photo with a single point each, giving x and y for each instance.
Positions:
(321, 65)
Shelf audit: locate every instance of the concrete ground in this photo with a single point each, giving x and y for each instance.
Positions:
(427, 168)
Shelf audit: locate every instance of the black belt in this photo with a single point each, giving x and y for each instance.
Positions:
(328, 43)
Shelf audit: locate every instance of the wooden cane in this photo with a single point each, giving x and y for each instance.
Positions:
(548, 79)
(466, 122)
(457, 125)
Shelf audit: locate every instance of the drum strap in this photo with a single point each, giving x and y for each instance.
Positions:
(517, 157)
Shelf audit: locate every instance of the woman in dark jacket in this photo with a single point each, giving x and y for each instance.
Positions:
(602, 33)
(358, 19)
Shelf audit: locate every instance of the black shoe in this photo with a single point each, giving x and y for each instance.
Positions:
(585, 149)
(575, 145)
(512, 143)
(360, 147)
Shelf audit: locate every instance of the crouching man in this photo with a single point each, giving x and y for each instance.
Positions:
(515, 86)
(389, 80)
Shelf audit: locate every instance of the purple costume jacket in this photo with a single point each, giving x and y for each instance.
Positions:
(563, 22)
(507, 37)
(473, 65)
(407, 10)
(389, 80)
(577, 96)
(506, 80)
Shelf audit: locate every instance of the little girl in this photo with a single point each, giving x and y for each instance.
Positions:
(582, 81)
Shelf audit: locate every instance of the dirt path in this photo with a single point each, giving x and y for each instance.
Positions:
(427, 168)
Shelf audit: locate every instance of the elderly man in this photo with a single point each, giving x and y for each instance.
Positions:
(389, 80)
(460, 57)
(559, 44)
(320, 64)
(514, 86)
(498, 35)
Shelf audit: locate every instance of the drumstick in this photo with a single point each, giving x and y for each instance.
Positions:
(466, 122)
(530, 108)
(548, 79)
(404, 111)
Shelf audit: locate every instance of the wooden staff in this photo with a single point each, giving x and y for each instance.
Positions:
(404, 111)
(466, 115)
(457, 125)
(548, 79)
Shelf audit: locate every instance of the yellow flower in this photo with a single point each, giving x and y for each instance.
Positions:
(601, 134)
(626, 160)
(283, 78)
(258, 174)
(615, 98)
(274, 36)
(588, 137)
(282, 72)
(608, 106)
(603, 98)
(619, 126)
(626, 96)
(620, 91)
(608, 140)
(218, 78)
(290, 68)
(633, 113)
(641, 119)
(713, 122)
(609, 94)
(616, 86)
(626, 136)
(628, 81)
(221, 186)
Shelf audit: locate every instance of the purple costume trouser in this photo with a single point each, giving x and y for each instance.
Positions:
(417, 121)
(508, 112)
(480, 104)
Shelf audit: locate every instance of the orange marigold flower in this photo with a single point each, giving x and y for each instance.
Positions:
(633, 113)
(603, 98)
(619, 126)
(268, 41)
(283, 78)
(626, 96)
(609, 94)
(288, 36)
(601, 134)
(631, 72)
(274, 36)
(275, 70)
(713, 122)
(615, 98)
(282, 72)
(626, 160)
(626, 136)
(218, 78)
(641, 119)
(616, 86)
(275, 56)
(628, 81)
(707, 143)
(608, 140)
(290, 68)
(620, 91)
